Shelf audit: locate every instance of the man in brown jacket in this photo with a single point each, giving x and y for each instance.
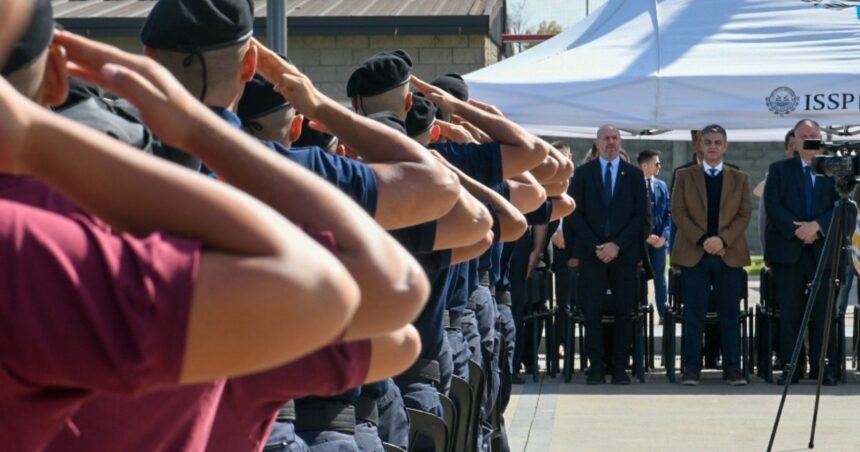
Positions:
(711, 210)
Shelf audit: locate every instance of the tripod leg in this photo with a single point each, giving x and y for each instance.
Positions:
(831, 245)
(841, 217)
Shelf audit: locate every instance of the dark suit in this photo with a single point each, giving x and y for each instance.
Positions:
(792, 261)
(621, 222)
(661, 224)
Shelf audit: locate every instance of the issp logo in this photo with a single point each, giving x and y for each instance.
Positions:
(782, 101)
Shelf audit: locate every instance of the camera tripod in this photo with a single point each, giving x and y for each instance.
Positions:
(832, 259)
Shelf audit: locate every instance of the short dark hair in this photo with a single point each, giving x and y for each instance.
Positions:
(788, 136)
(694, 134)
(561, 145)
(807, 121)
(715, 128)
(646, 155)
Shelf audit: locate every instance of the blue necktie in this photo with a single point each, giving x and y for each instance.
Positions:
(807, 184)
(607, 185)
(713, 172)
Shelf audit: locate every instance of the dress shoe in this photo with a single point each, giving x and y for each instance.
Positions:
(829, 379)
(518, 379)
(735, 377)
(690, 378)
(595, 378)
(794, 380)
(621, 378)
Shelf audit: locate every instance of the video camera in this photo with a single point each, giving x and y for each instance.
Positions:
(840, 159)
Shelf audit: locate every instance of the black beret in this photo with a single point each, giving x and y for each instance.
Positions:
(390, 119)
(421, 116)
(454, 84)
(36, 38)
(260, 99)
(311, 137)
(189, 25)
(380, 73)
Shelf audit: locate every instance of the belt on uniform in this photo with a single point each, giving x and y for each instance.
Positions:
(503, 297)
(452, 320)
(325, 415)
(427, 369)
(288, 412)
(366, 410)
(484, 278)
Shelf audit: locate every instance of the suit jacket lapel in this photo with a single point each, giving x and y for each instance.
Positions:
(619, 177)
(699, 182)
(728, 184)
(797, 173)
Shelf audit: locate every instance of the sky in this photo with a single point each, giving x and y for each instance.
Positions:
(565, 12)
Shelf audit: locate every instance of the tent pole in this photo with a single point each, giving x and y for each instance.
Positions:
(276, 25)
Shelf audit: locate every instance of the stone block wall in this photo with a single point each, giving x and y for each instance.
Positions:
(329, 60)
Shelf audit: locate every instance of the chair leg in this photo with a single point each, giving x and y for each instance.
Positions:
(669, 337)
(536, 330)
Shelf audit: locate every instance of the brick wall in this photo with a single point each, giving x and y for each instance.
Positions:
(752, 158)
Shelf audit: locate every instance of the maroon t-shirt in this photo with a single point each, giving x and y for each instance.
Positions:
(83, 311)
(250, 404)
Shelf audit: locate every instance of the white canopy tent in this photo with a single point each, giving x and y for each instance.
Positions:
(650, 66)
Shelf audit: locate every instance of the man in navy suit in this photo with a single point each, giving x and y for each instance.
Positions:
(609, 225)
(799, 206)
(661, 222)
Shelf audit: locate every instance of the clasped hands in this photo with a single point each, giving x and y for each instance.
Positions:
(807, 231)
(607, 252)
(714, 246)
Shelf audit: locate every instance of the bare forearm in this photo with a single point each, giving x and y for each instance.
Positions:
(373, 141)
(139, 194)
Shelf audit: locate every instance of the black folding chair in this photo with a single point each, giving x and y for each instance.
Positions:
(449, 415)
(675, 317)
(461, 395)
(542, 308)
(477, 384)
(433, 428)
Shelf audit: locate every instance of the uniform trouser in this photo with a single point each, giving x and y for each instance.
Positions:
(472, 335)
(284, 439)
(446, 365)
(330, 441)
(420, 394)
(507, 333)
(789, 283)
(517, 277)
(696, 283)
(393, 420)
(367, 437)
(460, 353)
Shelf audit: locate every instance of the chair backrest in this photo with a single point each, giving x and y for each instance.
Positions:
(461, 395)
(477, 382)
(388, 447)
(450, 416)
(433, 428)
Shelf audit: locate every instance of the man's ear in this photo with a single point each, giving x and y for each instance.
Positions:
(296, 128)
(408, 103)
(435, 133)
(151, 53)
(249, 64)
(55, 85)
